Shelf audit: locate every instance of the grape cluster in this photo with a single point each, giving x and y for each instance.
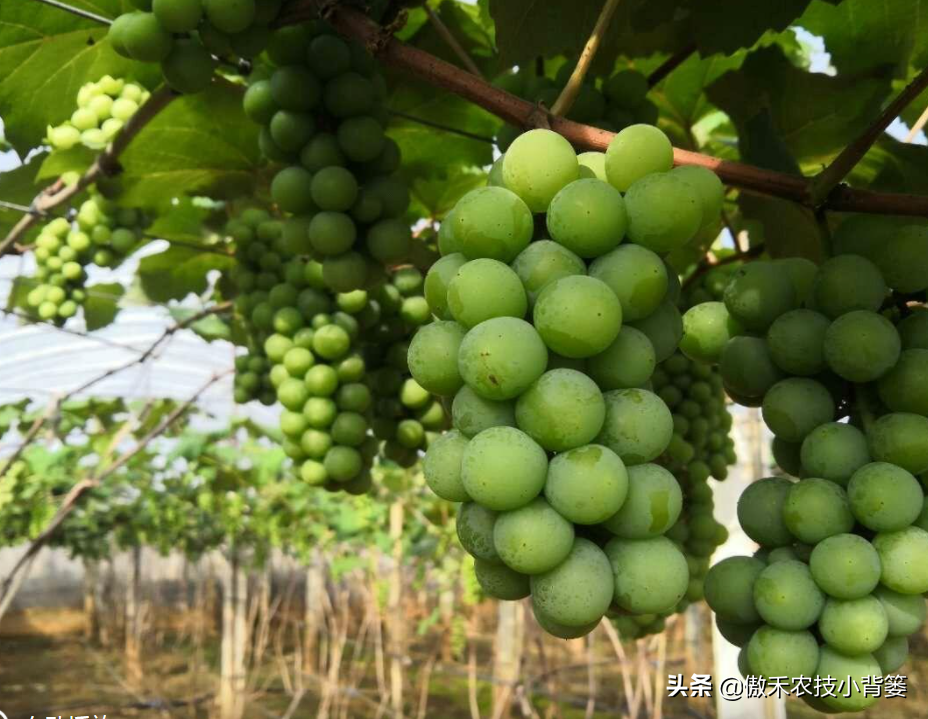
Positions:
(837, 584)
(101, 234)
(103, 108)
(545, 347)
(321, 116)
(612, 103)
(185, 35)
(336, 362)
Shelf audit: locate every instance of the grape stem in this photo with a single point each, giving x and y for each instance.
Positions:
(451, 41)
(829, 178)
(569, 93)
(704, 266)
(87, 15)
(106, 164)
(516, 111)
(671, 64)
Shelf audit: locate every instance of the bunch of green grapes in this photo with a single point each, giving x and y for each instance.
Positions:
(836, 357)
(185, 35)
(322, 118)
(103, 108)
(612, 103)
(101, 234)
(544, 346)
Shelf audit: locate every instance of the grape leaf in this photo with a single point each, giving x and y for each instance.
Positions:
(199, 144)
(46, 54)
(816, 115)
(102, 304)
(862, 34)
(18, 186)
(178, 271)
(435, 195)
(728, 25)
(893, 166)
(58, 162)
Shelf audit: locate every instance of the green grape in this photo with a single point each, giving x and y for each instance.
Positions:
(747, 368)
(298, 360)
(503, 468)
(664, 327)
(905, 387)
(651, 575)
(635, 152)
(328, 56)
(501, 582)
(796, 342)
(834, 451)
(314, 473)
(322, 380)
(499, 359)
(586, 485)
(902, 259)
(290, 189)
(442, 466)
(902, 557)
(594, 163)
(485, 288)
(652, 505)
(534, 538)
(638, 425)
(344, 272)
(735, 633)
(315, 443)
(332, 188)
(475, 531)
(758, 293)
(587, 217)
(562, 631)
(802, 273)
(331, 342)
(537, 165)
(708, 188)
(884, 497)
(774, 652)
(388, 240)
(795, 406)
(905, 613)
(495, 175)
(628, 362)
(854, 626)
(291, 130)
(892, 654)
(491, 222)
(914, 329)
(637, 276)
(320, 412)
(861, 346)
(448, 243)
(542, 263)
(816, 509)
(188, 68)
(471, 413)
(787, 597)
(438, 280)
(433, 357)
(664, 212)
(142, 38)
(902, 439)
(293, 394)
(848, 283)
(561, 410)
(410, 433)
(230, 16)
(578, 591)
(845, 566)
(353, 397)
(707, 327)
(760, 512)
(839, 666)
(577, 316)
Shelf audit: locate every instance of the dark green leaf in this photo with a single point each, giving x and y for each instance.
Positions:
(18, 186)
(178, 271)
(788, 229)
(728, 25)
(102, 305)
(58, 162)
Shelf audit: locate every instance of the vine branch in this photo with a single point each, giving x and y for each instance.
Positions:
(86, 14)
(829, 178)
(568, 95)
(106, 164)
(517, 111)
(451, 41)
(71, 499)
(439, 126)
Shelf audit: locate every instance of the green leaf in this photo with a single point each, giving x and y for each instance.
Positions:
(728, 25)
(102, 305)
(178, 271)
(18, 186)
(58, 162)
(45, 56)
(434, 196)
(211, 327)
(816, 115)
(861, 34)
(199, 144)
(789, 229)
(184, 222)
(893, 166)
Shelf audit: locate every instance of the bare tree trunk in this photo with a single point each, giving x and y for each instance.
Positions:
(395, 615)
(91, 611)
(234, 639)
(312, 612)
(507, 657)
(134, 615)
